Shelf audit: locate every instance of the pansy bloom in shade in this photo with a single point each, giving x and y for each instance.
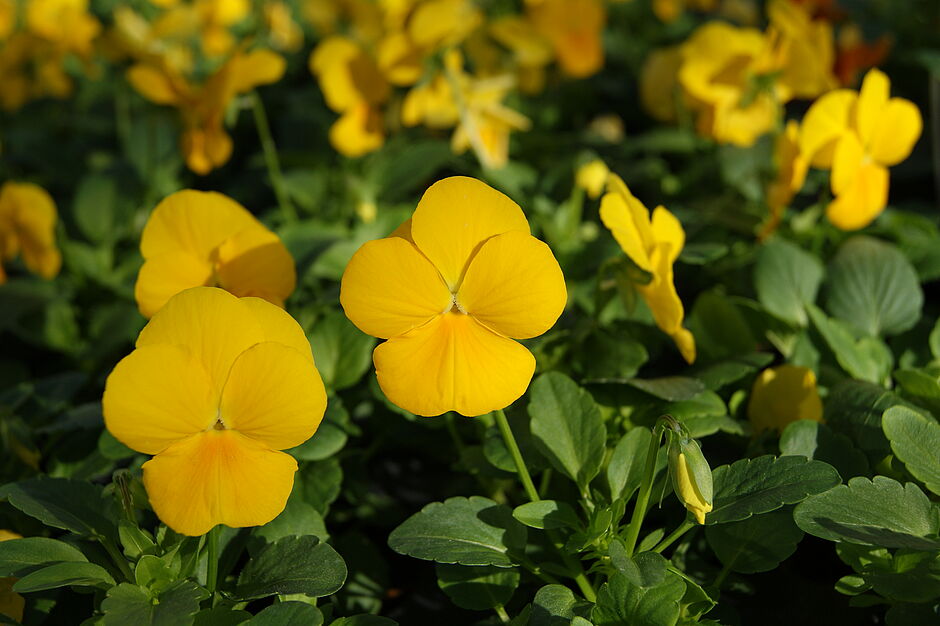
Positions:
(198, 238)
(859, 136)
(450, 289)
(215, 387)
(27, 228)
(653, 245)
(782, 395)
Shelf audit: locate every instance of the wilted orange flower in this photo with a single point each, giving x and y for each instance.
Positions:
(450, 290)
(198, 238)
(854, 54)
(781, 395)
(27, 228)
(653, 245)
(215, 387)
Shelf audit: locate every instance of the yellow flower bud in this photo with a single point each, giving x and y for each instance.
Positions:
(592, 177)
(691, 476)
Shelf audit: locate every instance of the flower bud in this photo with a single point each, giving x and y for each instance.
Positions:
(691, 476)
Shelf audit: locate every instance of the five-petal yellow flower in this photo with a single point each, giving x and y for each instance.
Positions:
(653, 245)
(216, 386)
(27, 227)
(196, 238)
(450, 289)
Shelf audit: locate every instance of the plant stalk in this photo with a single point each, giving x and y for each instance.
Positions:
(212, 562)
(682, 529)
(117, 557)
(288, 212)
(643, 497)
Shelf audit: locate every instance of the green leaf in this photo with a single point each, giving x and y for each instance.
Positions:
(94, 207)
(786, 279)
(291, 613)
(330, 437)
(861, 359)
(873, 287)
(221, 616)
(621, 602)
(468, 531)
(854, 408)
(879, 512)
(626, 466)
(81, 574)
(134, 540)
(154, 572)
(817, 441)
(318, 483)
(547, 514)
(669, 388)
(293, 565)
(754, 486)
(915, 440)
(477, 588)
(721, 330)
(364, 620)
(934, 340)
(717, 375)
(297, 519)
(64, 503)
(921, 386)
(567, 427)
(556, 605)
(18, 557)
(130, 604)
(645, 569)
(343, 352)
(756, 544)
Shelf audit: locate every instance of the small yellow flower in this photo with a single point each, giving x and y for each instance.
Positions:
(809, 48)
(285, 33)
(653, 245)
(198, 238)
(859, 136)
(782, 395)
(12, 604)
(215, 387)
(450, 290)
(574, 28)
(438, 23)
(592, 177)
(27, 227)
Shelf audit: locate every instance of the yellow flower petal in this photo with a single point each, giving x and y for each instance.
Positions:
(688, 491)
(163, 276)
(664, 303)
(258, 67)
(872, 100)
(862, 200)
(455, 216)
(514, 286)
(453, 363)
(218, 477)
(631, 233)
(12, 604)
(274, 395)
(659, 83)
(156, 396)
(781, 395)
(211, 324)
(826, 120)
(32, 216)
(277, 325)
(193, 221)
(592, 177)
(896, 132)
(358, 131)
(254, 262)
(685, 341)
(668, 230)
(153, 84)
(846, 161)
(389, 287)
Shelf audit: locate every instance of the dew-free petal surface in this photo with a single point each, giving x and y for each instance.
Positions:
(389, 287)
(626, 229)
(254, 262)
(455, 216)
(514, 286)
(277, 325)
(825, 121)
(668, 230)
(862, 200)
(781, 395)
(208, 322)
(163, 276)
(274, 395)
(897, 131)
(157, 395)
(872, 100)
(218, 477)
(453, 364)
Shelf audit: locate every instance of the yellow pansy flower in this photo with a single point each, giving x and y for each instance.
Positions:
(65, 22)
(353, 86)
(285, 33)
(791, 166)
(809, 47)
(782, 395)
(204, 142)
(198, 238)
(859, 136)
(27, 228)
(12, 604)
(438, 23)
(592, 177)
(450, 290)
(530, 50)
(653, 245)
(215, 387)
(574, 28)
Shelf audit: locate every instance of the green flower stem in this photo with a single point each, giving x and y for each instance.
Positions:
(501, 612)
(570, 562)
(270, 158)
(117, 557)
(643, 498)
(212, 556)
(682, 529)
(722, 575)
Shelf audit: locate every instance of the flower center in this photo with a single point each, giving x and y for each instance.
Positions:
(454, 304)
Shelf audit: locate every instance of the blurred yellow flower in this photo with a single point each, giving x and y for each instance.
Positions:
(439, 23)
(781, 395)
(450, 290)
(591, 177)
(215, 387)
(285, 33)
(791, 167)
(204, 142)
(12, 604)
(198, 238)
(859, 136)
(653, 245)
(27, 228)
(65, 22)
(574, 29)
(659, 83)
(530, 50)
(809, 47)
(671, 10)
